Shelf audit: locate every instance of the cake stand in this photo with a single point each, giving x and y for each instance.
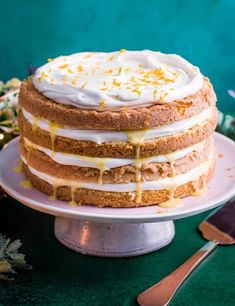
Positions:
(119, 232)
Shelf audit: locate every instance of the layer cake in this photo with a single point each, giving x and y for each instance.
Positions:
(118, 129)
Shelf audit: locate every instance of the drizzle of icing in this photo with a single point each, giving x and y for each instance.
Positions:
(53, 127)
(171, 203)
(199, 187)
(101, 167)
(53, 197)
(136, 137)
(35, 123)
(19, 167)
(171, 190)
(138, 164)
(26, 184)
(73, 191)
(99, 162)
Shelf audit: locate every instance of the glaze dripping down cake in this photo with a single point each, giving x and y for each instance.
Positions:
(119, 129)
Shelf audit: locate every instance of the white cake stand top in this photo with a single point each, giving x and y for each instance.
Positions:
(220, 189)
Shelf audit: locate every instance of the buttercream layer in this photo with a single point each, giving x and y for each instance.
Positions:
(148, 148)
(140, 118)
(110, 163)
(118, 79)
(152, 168)
(122, 198)
(132, 136)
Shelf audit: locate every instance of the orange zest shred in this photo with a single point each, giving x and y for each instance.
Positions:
(79, 68)
(63, 66)
(116, 83)
(137, 91)
(154, 94)
(43, 75)
(110, 58)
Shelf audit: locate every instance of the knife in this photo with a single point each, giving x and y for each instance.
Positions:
(219, 228)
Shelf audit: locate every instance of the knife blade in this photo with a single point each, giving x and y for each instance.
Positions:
(218, 228)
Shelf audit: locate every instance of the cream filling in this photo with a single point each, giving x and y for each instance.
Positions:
(109, 163)
(166, 183)
(115, 80)
(132, 136)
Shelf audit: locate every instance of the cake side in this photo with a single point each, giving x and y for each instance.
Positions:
(119, 143)
(85, 196)
(114, 170)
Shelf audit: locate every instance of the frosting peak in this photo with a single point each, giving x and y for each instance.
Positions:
(117, 80)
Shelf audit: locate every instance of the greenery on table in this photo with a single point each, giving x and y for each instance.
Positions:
(9, 92)
(226, 125)
(10, 258)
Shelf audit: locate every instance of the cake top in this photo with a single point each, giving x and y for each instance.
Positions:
(117, 80)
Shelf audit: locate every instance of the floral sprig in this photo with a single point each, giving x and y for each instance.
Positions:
(10, 259)
(226, 123)
(9, 93)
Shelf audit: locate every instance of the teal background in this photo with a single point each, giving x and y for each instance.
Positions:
(202, 31)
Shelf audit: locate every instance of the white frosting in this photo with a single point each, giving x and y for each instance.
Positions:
(116, 80)
(134, 136)
(161, 184)
(109, 163)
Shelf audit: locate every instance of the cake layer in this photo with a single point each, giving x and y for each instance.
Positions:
(140, 118)
(126, 197)
(132, 136)
(193, 132)
(104, 170)
(110, 163)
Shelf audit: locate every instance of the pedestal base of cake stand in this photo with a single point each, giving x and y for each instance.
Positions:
(113, 240)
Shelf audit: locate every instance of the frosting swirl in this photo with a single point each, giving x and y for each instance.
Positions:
(117, 80)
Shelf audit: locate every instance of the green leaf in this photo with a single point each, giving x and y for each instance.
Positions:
(10, 258)
(4, 246)
(14, 246)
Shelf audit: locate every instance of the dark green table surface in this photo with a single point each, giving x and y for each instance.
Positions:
(32, 31)
(63, 277)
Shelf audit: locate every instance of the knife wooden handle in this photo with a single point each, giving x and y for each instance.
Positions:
(162, 293)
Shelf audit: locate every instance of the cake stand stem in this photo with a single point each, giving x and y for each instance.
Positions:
(114, 239)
